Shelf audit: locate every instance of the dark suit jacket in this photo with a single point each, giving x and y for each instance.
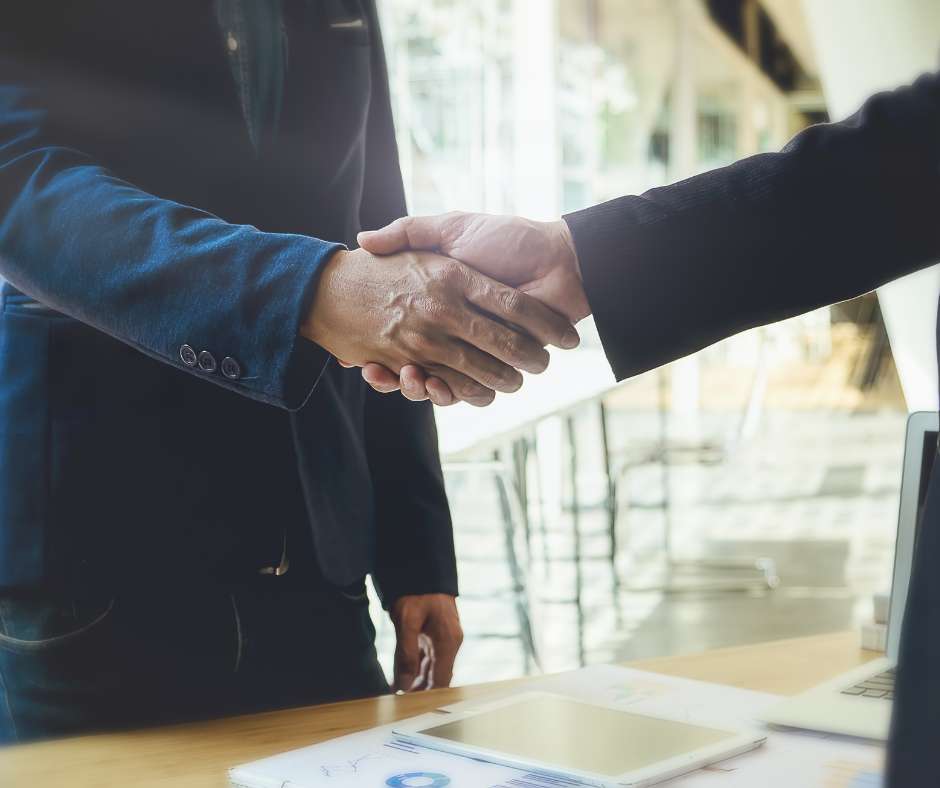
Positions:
(137, 216)
(843, 208)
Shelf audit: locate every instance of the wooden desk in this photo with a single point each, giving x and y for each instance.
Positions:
(199, 754)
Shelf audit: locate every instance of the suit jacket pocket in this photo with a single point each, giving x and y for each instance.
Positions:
(36, 623)
(345, 21)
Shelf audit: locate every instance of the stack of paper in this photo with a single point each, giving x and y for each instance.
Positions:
(378, 759)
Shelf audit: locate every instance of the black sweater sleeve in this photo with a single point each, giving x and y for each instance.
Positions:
(842, 209)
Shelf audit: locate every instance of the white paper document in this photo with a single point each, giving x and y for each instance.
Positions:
(378, 759)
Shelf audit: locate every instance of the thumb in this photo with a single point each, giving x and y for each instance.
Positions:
(408, 232)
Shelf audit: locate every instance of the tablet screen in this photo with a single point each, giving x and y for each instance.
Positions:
(572, 735)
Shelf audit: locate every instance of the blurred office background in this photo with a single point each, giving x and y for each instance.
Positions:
(746, 493)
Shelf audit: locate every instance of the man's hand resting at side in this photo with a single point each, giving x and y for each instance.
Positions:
(538, 258)
(429, 635)
(418, 308)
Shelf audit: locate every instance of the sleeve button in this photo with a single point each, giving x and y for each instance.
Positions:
(188, 356)
(207, 361)
(231, 368)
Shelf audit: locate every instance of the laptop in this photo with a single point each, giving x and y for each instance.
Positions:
(858, 703)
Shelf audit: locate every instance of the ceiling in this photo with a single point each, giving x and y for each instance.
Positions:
(790, 20)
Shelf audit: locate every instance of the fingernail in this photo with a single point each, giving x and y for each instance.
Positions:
(570, 339)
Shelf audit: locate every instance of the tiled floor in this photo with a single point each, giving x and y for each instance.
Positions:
(816, 492)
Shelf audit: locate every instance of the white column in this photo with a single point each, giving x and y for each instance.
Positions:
(536, 177)
(493, 174)
(864, 46)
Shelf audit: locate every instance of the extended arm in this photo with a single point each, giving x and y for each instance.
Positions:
(151, 272)
(172, 280)
(842, 209)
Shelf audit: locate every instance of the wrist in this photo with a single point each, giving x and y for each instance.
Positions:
(564, 243)
(314, 327)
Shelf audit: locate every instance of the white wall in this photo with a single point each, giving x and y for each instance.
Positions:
(864, 46)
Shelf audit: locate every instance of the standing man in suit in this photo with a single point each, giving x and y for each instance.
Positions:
(842, 209)
(191, 492)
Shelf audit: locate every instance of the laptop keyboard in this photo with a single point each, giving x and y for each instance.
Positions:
(879, 686)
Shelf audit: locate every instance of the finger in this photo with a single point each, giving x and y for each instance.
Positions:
(504, 342)
(344, 364)
(407, 658)
(446, 643)
(381, 379)
(477, 365)
(412, 383)
(462, 388)
(439, 392)
(520, 309)
(408, 232)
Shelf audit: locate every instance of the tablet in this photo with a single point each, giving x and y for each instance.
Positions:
(599, 745)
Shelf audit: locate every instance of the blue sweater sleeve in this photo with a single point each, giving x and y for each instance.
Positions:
(151, 272)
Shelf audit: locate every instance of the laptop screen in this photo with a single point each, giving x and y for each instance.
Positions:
(928, 454)
(920, 453)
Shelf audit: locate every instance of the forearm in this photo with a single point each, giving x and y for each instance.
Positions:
(842, 209)
(151, 272)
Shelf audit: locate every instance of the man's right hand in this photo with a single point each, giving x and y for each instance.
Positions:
(419, 308)
(539, 258)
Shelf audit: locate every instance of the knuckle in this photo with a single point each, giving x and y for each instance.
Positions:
(430, 309)
(503, 376)
(422, 344)
(486, 398)
(449, 270)
(459, 358)
(510, 344)
(512, 302)
(493, 378)
(475, 327)
(456, 632)
(467, 390)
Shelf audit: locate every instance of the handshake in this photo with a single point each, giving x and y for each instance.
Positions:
(451, 307)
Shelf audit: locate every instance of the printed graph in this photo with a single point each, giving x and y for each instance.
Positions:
(849, 774)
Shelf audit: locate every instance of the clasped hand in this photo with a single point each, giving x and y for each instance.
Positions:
(538, 259)
(469, 331)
